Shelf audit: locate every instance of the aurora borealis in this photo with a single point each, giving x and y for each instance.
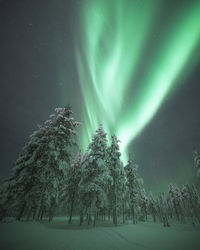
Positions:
(114, 38)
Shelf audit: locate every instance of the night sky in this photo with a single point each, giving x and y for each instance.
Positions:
(38, 71)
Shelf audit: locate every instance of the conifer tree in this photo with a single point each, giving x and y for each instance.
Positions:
(133, 187)
(175, 195)
(118, 175)
(196, 158)
(24, 178)
(152, 206)
(95, 176)
(41, 168)
(164, 210)
(3, 198)
(194, 203)
(143, 204)
(71, 195)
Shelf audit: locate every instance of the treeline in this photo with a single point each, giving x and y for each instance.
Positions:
(48, 181)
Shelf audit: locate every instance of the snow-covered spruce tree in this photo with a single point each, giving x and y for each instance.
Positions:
(169, 206)
(175, 195)
(185, 197)
(133, 188)
(152, 206)
(95, 177)
(3, 198)
(117, 188)
(41, 168)
(194, 201)
(164, 210)
(196, 158)
(125, 202)
(71, 188)
(197, 204)
(158, 209)
(19, 186)
(53, 164)
(143, 200)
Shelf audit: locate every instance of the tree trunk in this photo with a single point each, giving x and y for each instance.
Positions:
(154, 217)
(123, 213)
(115, 204)
(115, 216)
(94, 221)
(34, 212)
(2, 213)
(71, 211)
(81, 219)
(89, 219)
(109, 215)
(29, 214)
(129, 214)
(21, 211)
(133, 214)
(39, 207)
(38, 211)
(42, 213)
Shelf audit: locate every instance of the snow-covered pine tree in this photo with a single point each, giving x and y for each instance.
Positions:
(71, 195)
(133, 187)
(185, 202)
(158, 208)
(194, 202)
(95, 176)
(143, 204)
(117, 172)
(152, 206)
(196, 158)
(20, 184)
(52, 166)
(41, 168)
(191, 201)
(125, 201)
(169, 206)
(3, 198)
(164, 210)
(175, 195)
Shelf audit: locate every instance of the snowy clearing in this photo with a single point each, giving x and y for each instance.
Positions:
(58, 235)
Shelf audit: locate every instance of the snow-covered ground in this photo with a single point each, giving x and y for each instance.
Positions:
(58, 235)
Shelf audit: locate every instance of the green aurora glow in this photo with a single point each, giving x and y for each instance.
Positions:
(114, 35)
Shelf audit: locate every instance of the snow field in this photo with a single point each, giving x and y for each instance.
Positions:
(59, 235)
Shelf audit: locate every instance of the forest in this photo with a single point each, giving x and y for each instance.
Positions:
(49, 179)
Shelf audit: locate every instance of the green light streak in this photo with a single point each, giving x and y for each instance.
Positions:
(114, 35)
